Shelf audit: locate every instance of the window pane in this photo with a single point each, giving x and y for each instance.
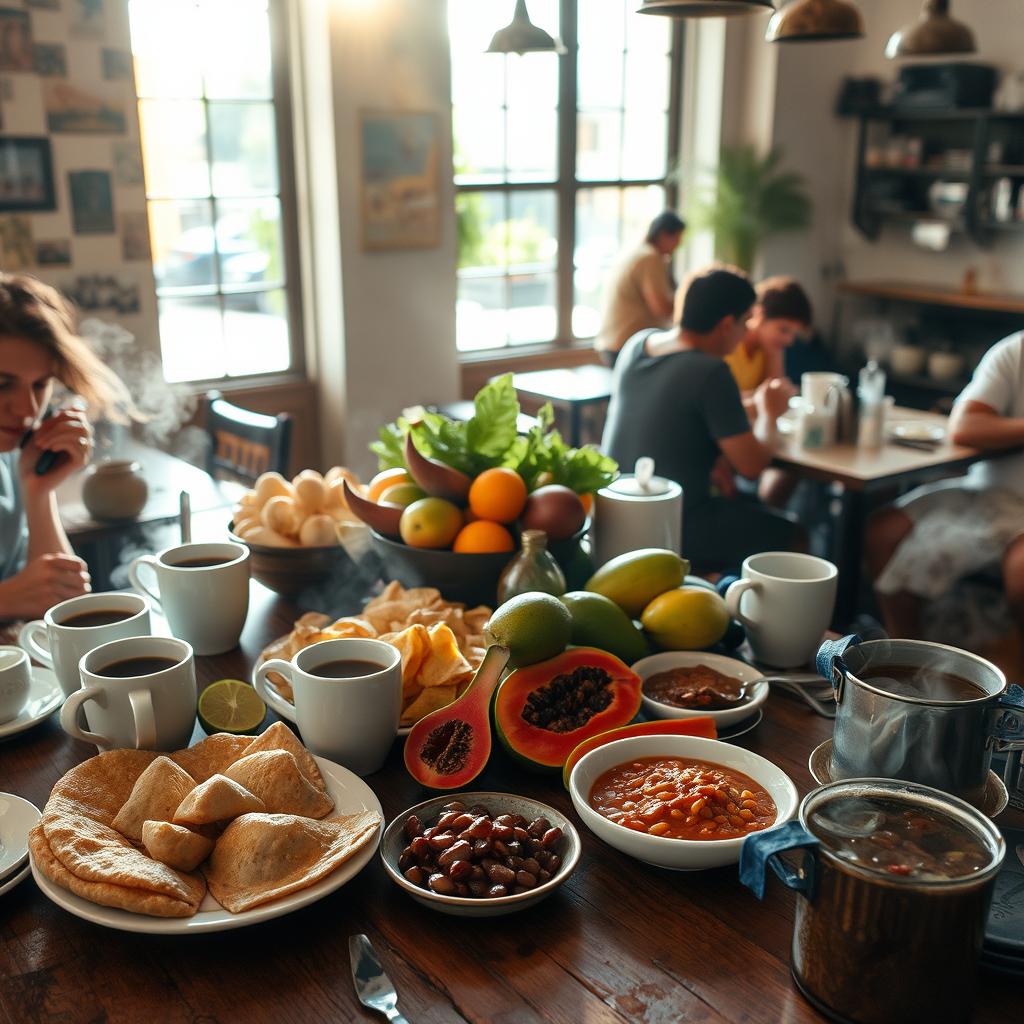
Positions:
(651, 36)
(532, 230)
(191, 338)
(599, 145)
(640, 205)
(479, 145)
(244, 148)
(531, 313)
(236, 49)
(644, 144)
(600, 78)
(480, 312)
(256, 333)
(249, 243)
(477, 78)
(164, 34)
(174, 148)
(480, 217)
(532, 145)
(647, 82)
(604, 24)
(182, 240)
(532, 81)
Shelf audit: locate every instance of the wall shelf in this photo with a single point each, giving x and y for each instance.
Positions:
(934, 295)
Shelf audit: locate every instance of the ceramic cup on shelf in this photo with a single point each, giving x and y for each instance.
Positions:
(15, 679)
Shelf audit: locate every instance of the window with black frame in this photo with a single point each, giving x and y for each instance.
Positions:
(560, 163)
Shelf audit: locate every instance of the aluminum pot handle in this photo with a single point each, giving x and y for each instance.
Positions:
(761, 850)
(1009, 727)
(829, 661)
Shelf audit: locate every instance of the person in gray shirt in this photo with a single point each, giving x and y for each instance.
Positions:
(675, 399)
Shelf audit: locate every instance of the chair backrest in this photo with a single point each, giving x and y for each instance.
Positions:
(244, 444)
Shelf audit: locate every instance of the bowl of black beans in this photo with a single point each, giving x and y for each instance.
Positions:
(480, 854)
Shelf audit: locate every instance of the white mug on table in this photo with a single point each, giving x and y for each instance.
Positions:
(138, 693)
(69, 635)
(351, 720)
(15, 680)
(202, 589)
(785, 602)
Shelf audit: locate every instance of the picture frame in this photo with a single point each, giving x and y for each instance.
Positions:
(26, 175)
(400, 186)
(92, 202)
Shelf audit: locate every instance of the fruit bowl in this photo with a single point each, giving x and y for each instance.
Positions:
(290, 571)
(471, 578)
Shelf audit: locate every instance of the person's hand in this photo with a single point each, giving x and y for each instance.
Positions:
(723, 479)
(771, 399)
(68, 433)
(44, 582)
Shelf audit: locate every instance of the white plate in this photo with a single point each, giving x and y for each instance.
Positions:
(647, 667)
(917, 430)
(17, 818)
(44, 697)
(13, 880)
(350, 795)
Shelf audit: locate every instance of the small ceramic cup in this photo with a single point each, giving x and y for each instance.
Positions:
(353, 720)
(15, 679)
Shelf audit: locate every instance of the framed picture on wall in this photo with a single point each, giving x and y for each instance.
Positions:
(26, 175)
(401, 186)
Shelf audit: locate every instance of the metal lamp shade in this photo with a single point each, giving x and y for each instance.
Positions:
(815, 21)
(704, 8)
(933, 34)
(522, 36)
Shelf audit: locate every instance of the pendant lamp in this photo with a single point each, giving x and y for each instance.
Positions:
(522, 36)
(704, 8)
(934, 33)
(815, 21)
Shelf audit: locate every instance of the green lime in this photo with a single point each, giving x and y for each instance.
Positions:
(229, 705)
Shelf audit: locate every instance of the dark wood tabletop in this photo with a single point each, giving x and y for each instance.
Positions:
(620, 941)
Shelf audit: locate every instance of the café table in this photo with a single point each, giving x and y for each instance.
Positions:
(572, 389)
(619, 942)
(863, 473)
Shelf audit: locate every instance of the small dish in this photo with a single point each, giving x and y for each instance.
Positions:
(733, 732)
(678, 854)
(394, 841)
(919, 431)
(994, 800)
(44, 697)
(647, 667)
(17, 818)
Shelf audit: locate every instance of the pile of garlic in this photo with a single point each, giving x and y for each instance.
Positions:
(307, 512)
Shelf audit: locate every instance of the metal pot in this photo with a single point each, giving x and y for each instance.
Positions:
(876, 948)
(942, 743)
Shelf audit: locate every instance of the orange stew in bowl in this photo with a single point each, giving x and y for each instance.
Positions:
(683, 799)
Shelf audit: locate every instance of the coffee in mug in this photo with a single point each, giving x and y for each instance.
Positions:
(15, 680)
(138, 692)
(345, 668)
(203, 590)
(74, 627)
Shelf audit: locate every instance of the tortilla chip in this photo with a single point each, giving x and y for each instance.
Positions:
(217, 799)
(445, 662)
(280, 737)
(414, 646)
(429, 700)
(212, 755)
(347, 627)
(175, 845)
(273, 776)
(154, 797)
(262, 857)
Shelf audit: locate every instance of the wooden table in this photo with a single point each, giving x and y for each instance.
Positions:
(861, 473)
(570, 388)
(620, 941)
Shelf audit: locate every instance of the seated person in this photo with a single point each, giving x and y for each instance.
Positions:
(675, 400)
(934, 536)
(640, 292)
(38, 346)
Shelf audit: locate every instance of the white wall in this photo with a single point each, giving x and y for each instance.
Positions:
(386, 329)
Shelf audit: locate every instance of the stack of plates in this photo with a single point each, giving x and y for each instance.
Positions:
(17, 818)
(1004, 934)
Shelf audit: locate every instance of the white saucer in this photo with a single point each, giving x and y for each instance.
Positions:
(918, 431)
(17, 818)
(44, 697)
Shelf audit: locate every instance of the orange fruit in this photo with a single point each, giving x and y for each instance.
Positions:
(498, 494)
(588, 502)
(385, 479)
(430, 523)
(483, 537)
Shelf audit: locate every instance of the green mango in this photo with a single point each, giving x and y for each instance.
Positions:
(636, 578)
(599, 622)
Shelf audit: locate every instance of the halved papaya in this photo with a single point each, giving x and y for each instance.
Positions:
(544, 711)
(699, 725)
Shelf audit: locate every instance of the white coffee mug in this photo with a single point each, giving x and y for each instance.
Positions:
(352, 720)
(205, 605)
(147, 710)
(15, 680)
(785, 602)
(66, 644)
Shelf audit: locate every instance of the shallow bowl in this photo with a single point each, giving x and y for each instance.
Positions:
(290, 571)
(393, 842)
(758, 694)
(679, 854)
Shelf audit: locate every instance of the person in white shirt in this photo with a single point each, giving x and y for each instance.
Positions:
(918, 548)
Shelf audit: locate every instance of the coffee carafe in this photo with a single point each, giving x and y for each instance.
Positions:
(827, 397)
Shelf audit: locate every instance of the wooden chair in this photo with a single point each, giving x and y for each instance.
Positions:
(244, 444)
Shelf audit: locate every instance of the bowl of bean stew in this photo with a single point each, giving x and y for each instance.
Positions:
(679, 802)
(480, 854)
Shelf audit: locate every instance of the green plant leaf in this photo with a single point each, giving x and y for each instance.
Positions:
(492, 429)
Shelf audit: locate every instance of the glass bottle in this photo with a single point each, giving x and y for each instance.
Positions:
(534, 568)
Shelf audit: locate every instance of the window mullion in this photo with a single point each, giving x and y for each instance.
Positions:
(567, 120)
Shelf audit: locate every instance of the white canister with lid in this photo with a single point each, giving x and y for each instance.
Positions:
(637, 511)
